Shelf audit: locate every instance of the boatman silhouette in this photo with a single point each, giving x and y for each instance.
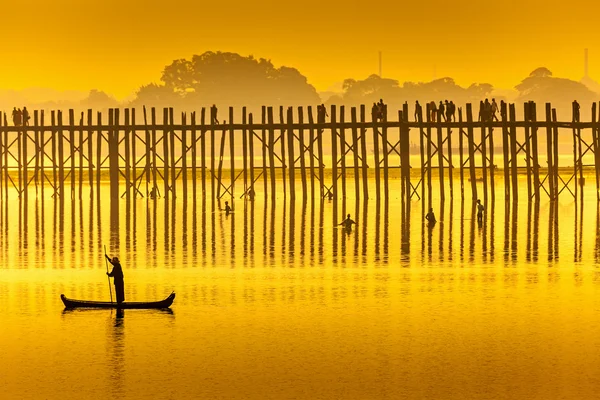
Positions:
(117, 275)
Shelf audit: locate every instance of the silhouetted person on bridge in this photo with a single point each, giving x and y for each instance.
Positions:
(321, 114)
(213, 113)
(117, 275)
(480, 210)
(448, 111)
(418, 112)
(347, 223)
(494, 110)
(433, 111)
(16, 116)
(441, 112)
(576, 109)
(481, 116)
(25, 116)
(452, 111)
(487, 110)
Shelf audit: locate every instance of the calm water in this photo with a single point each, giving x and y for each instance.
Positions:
(275, 302)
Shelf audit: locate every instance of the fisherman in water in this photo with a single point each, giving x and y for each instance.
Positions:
(117, 275)
(347, 223)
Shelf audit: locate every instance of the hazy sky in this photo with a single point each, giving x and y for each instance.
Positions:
(118, 45)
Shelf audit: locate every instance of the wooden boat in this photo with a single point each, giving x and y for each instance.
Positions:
(166, 303)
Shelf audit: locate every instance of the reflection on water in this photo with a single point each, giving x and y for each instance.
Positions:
(275, 300)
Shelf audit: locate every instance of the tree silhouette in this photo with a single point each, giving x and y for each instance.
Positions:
(233, 80)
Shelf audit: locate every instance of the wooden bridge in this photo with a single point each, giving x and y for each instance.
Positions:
(328, 155)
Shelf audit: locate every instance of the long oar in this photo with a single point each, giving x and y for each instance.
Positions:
(106, 261)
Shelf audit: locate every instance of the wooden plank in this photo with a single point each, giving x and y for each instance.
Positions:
(133, 154)
(555, 158)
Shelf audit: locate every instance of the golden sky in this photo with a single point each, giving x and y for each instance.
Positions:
(118, 45)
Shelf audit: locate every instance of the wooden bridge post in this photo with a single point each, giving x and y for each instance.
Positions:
(355, 152)
(363, 152)
(549, 150)
(311, 151)
(429, 189)
(534, 150)
(384, 149)
(133, 155)
(194, 151)
(334, 157)
(245, 149)
(492, 168)
(61, 155)
(471, 144)
(165, 140)
(90, 150)
(450, 163)
(555, 149)
(203, 132)
(213, 117)
(80, 136)
(113, 154)
(291, 158)
(440, 154)
(184, 153)
(342, 135)
(271, 152)
(171, 136)
(405, 152)
(282, 143)
(302, 151)
(422, 146)
(2, 177)
(148, 143)
(461, 135)
(251, 151)
(505, 151)
(513, 153)
(595, 148)
(264, 148)
(72, 150)
(376, 153)
(484, 161)
(127, 140)
(154, 149)
(99, 135)
(38, 155)
(527, 115)
(232, 152)
(320, 131)
(43, 152)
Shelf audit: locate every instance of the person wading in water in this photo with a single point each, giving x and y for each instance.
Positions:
(347, 223)
(117, 275)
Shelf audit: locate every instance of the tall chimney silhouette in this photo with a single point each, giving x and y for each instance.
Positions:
(585, 63)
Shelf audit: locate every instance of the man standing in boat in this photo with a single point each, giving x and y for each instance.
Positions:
(117, 275)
